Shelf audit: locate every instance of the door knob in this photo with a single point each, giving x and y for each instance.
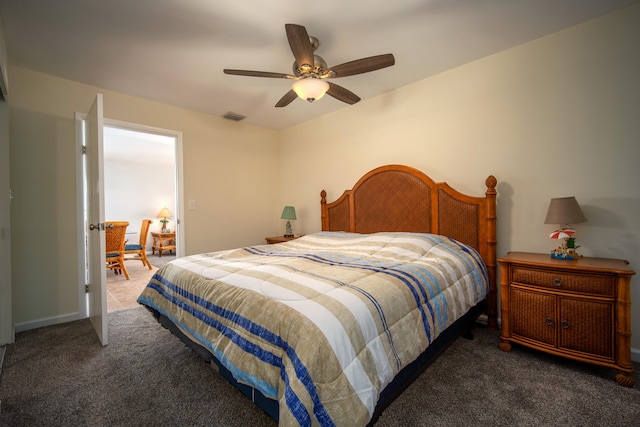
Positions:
(100, 226)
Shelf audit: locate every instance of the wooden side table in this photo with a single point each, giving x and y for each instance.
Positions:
(280, 239)
(163, 242)
(579, 309)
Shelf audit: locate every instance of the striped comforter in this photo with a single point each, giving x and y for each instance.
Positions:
(324, 322)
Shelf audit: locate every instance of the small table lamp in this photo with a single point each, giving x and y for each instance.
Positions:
(164, 214)
(565, 211)
(288, 213)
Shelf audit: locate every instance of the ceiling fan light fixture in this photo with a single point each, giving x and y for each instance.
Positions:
(310, 88)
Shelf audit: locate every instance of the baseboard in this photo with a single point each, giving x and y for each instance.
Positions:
(48, 321)
(635, 355)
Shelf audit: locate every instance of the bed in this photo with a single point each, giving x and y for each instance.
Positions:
(329, 328)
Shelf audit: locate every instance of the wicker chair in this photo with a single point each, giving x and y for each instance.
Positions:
(115, 233)
(140, 249)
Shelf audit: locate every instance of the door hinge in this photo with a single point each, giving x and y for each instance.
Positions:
(84, 149)
(86, 289)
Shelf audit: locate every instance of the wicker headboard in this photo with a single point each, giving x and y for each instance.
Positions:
(401, 198)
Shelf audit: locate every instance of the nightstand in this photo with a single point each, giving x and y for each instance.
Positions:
(163, 242)
(579, 309)
(280, 239)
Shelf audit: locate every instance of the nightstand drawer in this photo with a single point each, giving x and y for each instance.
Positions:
(593, 284)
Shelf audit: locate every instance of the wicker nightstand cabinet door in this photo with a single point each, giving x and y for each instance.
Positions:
(587, 326)
(533, 316)
(579, 309)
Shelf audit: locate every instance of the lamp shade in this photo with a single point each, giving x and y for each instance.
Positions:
(564, 210)
(164, 213)
(289, 212)
(310, 88)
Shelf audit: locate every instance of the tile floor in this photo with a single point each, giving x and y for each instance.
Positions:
(122, 293)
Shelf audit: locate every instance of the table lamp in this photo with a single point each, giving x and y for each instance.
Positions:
(565, 211)
(288, 213)
(164, 214)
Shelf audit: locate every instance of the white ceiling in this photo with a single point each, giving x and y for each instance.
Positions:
(174, 51)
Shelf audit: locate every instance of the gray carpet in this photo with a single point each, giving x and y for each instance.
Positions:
(61, 376)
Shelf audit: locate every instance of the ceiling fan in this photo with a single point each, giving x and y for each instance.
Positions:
(310, 70)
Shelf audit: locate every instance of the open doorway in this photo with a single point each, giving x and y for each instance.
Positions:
(140, 180)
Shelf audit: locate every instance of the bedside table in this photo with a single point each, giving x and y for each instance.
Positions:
(163, 242)
(280, 239)
(579, 309)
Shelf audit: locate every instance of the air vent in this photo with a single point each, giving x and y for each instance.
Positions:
(234, 116)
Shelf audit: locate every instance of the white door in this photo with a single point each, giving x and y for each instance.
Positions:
(94, 179)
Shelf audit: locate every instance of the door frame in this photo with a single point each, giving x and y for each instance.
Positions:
(180, 225)
(7, 329)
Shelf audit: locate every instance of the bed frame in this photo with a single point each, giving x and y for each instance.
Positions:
(400, 198)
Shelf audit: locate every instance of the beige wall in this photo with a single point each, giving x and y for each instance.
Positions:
(228, 170)
(556, 117)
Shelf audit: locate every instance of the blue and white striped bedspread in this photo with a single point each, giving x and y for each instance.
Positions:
(324, 322)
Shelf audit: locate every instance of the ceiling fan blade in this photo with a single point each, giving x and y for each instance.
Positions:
(300, 44)
(342, 94)
(287, 99)
(258, 74)
(363, 65)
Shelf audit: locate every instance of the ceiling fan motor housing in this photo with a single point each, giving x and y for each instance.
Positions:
(318, 68)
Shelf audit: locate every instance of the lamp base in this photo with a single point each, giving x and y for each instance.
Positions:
(568, 254)
(288, 232)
